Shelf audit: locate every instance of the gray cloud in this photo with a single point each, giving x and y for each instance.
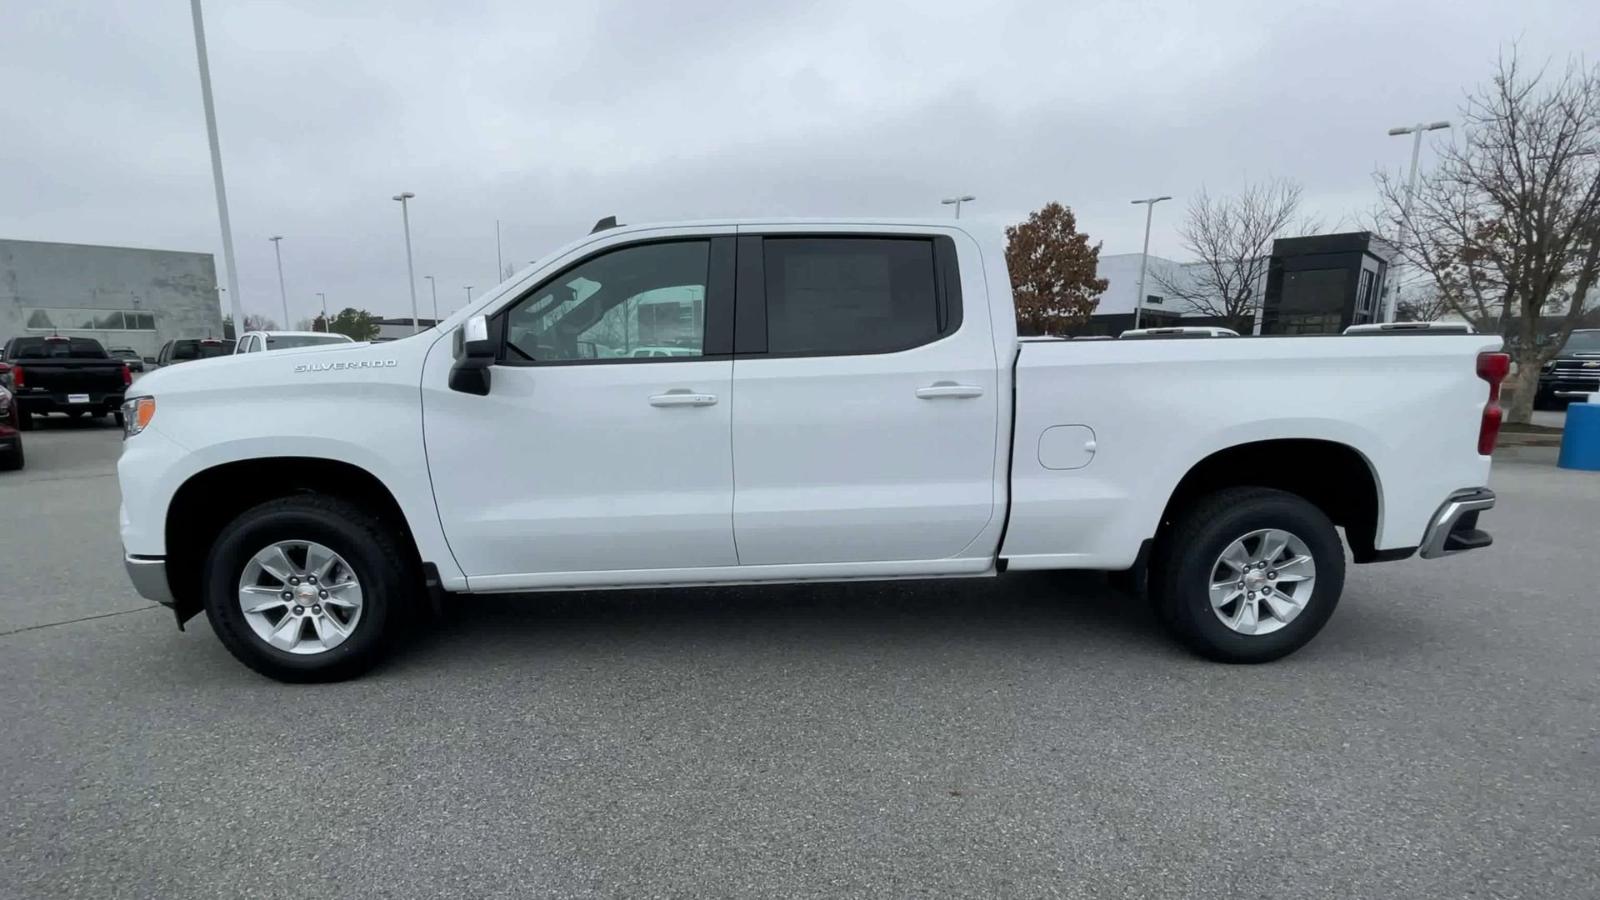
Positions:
(548, 116)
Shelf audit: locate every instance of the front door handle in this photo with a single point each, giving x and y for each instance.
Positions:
(941, 389)
(682, 397)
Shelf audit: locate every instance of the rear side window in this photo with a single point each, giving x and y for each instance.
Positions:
(849, 295)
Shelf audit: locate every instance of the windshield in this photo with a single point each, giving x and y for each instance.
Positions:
(1583, 342)
(285, 341)
(59, 348)
(201, 349)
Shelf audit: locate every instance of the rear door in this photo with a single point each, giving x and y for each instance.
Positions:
(865, 399)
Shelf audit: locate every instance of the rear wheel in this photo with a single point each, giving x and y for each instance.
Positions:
(24, 420)
(307, 589)
(1249, 574)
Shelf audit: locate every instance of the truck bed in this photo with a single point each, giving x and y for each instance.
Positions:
(1106, 430)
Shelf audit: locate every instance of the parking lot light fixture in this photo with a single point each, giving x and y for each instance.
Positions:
(469, 293)
(411, 277)
(1411, 192)
(957, 201)
(277, 250)
(1144, 255)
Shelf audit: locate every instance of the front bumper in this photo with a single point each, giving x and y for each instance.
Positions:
(1454, 528)
(149, 577)
(1570, 383)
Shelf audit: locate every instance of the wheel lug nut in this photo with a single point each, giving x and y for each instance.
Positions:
(299, 610)
(312, 579)
(316, 608)
(322, 594)
(289, 595)
(293, 580)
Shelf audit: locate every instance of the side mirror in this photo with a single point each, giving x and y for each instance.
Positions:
(475, 352)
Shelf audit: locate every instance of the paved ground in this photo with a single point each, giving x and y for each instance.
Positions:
(1023, 737)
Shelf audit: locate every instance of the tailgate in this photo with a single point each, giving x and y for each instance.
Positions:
(71, 378)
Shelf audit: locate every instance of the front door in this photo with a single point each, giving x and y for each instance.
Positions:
(603, 443)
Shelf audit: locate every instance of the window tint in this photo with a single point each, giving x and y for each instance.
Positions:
(285, 341)
(58, 348)
(642, 302)
(849, 295)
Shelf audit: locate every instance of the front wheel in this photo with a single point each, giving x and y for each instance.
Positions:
(1249, 575)
(307, 589)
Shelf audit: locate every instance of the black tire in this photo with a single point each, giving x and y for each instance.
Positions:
(13, 459)
(116, 418)
(76, 413)
(24, 420)
(388, 584)
(1183, 571)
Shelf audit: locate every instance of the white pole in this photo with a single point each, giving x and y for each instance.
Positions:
(433, 285)
(282, 294)
(411, 277)
(1393, 304)
(216, 169)
(324, 310)
(499, 264)
(1144, 260)
(1144, 255)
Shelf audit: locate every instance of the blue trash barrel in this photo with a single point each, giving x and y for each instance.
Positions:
(1580, 441)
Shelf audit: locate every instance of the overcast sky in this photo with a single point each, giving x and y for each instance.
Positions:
(548, 116)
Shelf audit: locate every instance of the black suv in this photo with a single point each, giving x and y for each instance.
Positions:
(1574, 371)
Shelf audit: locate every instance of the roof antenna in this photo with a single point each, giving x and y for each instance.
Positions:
(603, 224)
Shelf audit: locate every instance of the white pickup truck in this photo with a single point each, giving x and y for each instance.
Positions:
(818, 401)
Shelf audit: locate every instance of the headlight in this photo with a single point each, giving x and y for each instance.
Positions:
(136, 414)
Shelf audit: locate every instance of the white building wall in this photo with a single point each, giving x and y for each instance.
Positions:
(71, 285)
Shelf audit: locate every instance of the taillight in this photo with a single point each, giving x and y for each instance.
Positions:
(127, 375)
(1493, 368)
(16, 376)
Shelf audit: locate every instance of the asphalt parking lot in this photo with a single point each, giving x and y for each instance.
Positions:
(1028, 736)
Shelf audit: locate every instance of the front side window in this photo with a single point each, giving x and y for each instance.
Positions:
(640, 302)
(849, 295)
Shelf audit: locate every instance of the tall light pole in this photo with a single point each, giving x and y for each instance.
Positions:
(216, 167)
(433, 286)
(1144, 256)
(324, 298)
(411, 277)
(957, 201)
(1411, 193)
(469, 293)
(277, 250)
(499, 263)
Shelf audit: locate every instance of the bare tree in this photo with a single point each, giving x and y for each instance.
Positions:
(1507, 225)
(1231, 240)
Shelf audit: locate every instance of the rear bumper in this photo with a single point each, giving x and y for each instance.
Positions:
(51, 401)
(1454, 528)
(149, 577)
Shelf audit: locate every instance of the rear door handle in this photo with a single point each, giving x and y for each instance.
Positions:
(682, 397)
(941, 389)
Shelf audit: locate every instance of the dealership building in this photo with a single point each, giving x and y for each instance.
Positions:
(120, 296)
(1319, 284)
